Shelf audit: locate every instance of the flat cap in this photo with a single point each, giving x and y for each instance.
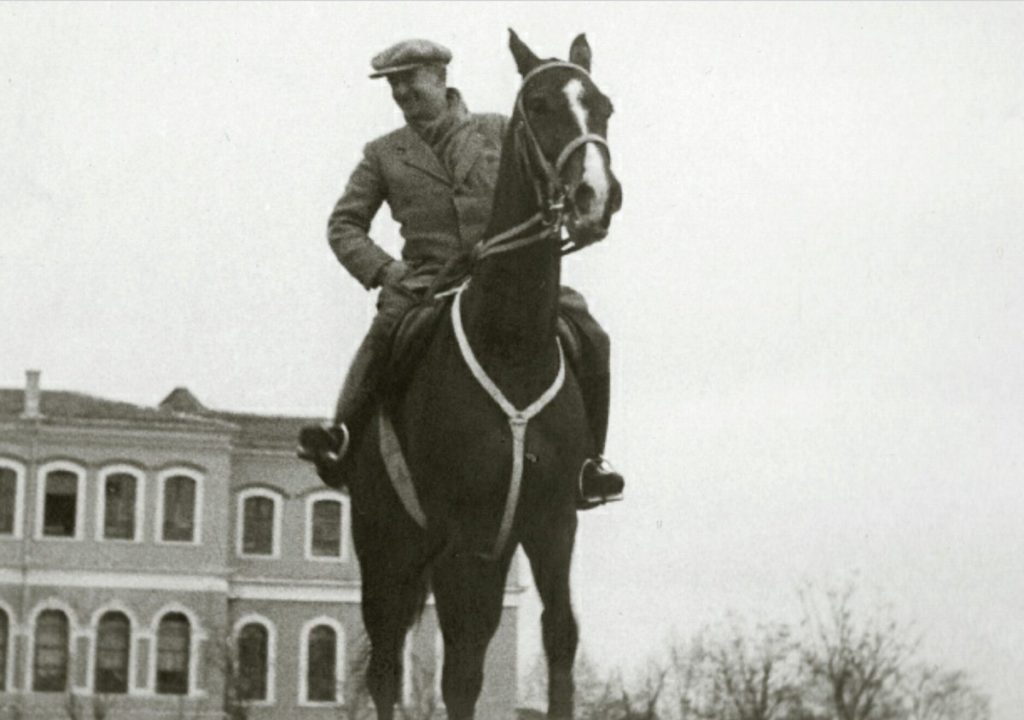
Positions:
(409, 54)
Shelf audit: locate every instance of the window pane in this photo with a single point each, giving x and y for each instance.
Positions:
(8, 488)
(4, 634)
(258, 526)
(50, 664)
(322, 675)
(119, 517)
(252, 663)
(179, 508)
(112, 645)
(327, 528)
(172, 655)
(61, 504)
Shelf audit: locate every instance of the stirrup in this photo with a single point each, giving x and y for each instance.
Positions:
(601, 468)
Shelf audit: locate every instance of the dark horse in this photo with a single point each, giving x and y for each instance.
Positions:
(464, 450)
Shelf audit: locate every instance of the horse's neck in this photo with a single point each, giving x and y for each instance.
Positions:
(511, 305)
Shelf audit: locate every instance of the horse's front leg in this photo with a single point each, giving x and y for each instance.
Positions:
(469, 592)
(550, 555)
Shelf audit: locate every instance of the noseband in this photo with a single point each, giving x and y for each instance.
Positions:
(550, 221)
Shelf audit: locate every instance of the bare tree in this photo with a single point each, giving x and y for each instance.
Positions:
(936, 694)
(856, 664)
(752, 676)
(642, 701)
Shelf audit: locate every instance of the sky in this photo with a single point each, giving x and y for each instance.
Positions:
(814, 287)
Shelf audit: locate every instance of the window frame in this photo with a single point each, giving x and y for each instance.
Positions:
(343, 551)
(339, 662)
(8, 649)
(43, 473)
(275, 540)
(18, 519)
(105, 474)
(197, 510)
(135, 633)
(33, 654)
(94, 656)
(271, 678)
(197, 637)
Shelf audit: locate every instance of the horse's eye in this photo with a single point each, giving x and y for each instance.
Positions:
(537, 105)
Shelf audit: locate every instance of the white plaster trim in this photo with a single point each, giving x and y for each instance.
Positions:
(94, 631)
(275, 540)
(271, 629)
(80, 500)
(197, 511)
(19, 498)
(339, 661)
(51, 603)
(291, 593)
(197, 636)
(114, 580)
(345, 516)
(12, 630)
(140, 501)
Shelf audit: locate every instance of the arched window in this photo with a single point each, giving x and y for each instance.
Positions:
(259, 523)
(60, 504)
(325, 533)
(179, 509)
(173, 646)
(9, 501)
(5, 634)
(252, 662)
(321, 667)
(50, 662)
(113, 641)
(120, 491)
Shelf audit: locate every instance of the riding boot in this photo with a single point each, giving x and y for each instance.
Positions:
(598, 482)
(326, 446)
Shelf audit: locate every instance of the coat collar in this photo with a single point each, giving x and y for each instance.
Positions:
(459, 136)
(416, 154)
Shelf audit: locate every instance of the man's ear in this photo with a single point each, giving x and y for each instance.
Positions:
(524, 57)
(579, 52)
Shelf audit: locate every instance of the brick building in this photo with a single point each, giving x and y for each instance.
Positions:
(139, 544)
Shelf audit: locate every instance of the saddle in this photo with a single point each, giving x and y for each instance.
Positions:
(415, 331)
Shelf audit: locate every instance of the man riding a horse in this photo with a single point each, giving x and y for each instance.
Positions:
(437, 175)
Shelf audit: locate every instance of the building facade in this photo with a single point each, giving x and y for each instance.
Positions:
(179, 562)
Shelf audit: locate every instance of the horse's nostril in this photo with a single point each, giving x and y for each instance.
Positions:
(582, 198)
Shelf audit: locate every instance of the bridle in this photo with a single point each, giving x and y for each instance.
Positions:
(549, 222)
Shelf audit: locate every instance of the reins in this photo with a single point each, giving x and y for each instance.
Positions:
(549, 222)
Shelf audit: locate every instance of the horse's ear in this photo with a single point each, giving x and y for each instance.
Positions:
(579, 53)
(524, 57)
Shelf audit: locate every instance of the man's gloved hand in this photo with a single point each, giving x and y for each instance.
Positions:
(392, 273)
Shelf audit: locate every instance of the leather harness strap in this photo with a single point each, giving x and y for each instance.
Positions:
(517, 420)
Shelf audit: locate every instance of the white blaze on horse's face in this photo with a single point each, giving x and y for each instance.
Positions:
(595, 168)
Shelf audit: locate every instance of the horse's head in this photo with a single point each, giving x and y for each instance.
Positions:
(564, 121)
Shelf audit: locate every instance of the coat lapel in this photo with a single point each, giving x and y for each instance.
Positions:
(468, 150)
(416, 154)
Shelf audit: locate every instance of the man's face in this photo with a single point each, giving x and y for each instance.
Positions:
(420, 93)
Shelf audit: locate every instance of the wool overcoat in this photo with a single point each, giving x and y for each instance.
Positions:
(442, 203)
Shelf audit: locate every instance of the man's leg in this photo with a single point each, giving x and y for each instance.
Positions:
(326, 446)
(591, 361)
